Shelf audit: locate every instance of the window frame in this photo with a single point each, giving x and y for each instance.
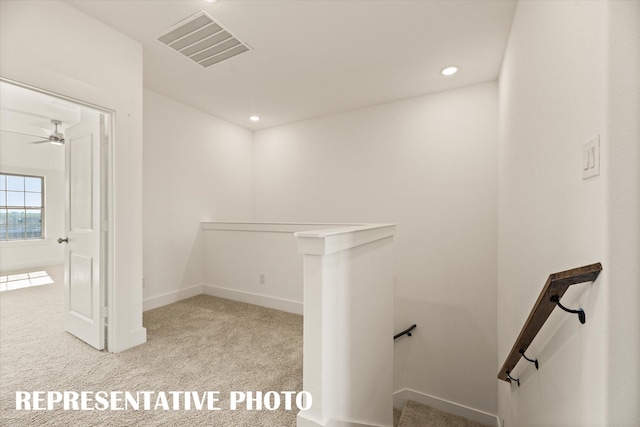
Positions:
(25, 207)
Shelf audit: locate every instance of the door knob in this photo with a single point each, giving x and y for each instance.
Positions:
(65, 240)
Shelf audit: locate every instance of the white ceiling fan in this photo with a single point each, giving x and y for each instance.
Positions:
(55, 137)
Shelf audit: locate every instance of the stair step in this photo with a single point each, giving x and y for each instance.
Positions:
(416, 414)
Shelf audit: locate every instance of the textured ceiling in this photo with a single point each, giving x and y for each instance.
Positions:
(313, 58)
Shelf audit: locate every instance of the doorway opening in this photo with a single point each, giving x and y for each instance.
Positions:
(55, 201)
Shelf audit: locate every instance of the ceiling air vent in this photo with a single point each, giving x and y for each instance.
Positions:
(202, 40)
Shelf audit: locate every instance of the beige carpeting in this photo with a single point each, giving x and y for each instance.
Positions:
(418, 415)
(200, 344)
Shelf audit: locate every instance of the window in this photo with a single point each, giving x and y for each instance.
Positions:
(21, 207)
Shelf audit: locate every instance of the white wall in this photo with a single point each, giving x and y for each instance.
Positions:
(234, 261)
(623, 113)
(429, 165)
(84, 59)
(196, 168)
(237, 254)
(553, 97)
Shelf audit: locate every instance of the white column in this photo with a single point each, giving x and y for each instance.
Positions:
(348, 325)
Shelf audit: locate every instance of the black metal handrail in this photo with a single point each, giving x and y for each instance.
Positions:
(405, 332)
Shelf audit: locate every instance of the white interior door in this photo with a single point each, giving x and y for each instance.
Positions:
(84, 278)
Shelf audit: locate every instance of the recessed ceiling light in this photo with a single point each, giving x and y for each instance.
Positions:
(254, 118)
(449, 71)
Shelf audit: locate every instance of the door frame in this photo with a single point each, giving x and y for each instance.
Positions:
(107, 270)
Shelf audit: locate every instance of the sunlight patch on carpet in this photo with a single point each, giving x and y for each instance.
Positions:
(24, 280)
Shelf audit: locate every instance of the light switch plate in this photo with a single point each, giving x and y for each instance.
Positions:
(591, 158)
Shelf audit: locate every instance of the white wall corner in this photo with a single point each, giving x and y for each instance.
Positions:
(400, 397)
(171, 297)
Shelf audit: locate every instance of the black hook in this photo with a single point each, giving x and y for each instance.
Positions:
(579, 312)
(513, 379)
(534, 361)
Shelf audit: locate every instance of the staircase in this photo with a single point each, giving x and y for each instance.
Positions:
(416, 414)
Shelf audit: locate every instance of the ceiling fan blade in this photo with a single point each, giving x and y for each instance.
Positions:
(22, 133)
(39, 142)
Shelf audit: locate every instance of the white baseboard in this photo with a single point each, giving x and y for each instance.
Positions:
(256, 299)
(217, 291)
(127, 340)
(303, 421)
(401, 396)
(171, 297)
(336, 423)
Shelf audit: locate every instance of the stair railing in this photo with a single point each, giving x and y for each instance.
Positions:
(405, 332)
(555, 287)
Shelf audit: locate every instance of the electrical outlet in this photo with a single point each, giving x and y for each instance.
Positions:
(263, 280)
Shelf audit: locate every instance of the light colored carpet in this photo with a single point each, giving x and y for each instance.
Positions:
(199, 344)
(416, 414)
